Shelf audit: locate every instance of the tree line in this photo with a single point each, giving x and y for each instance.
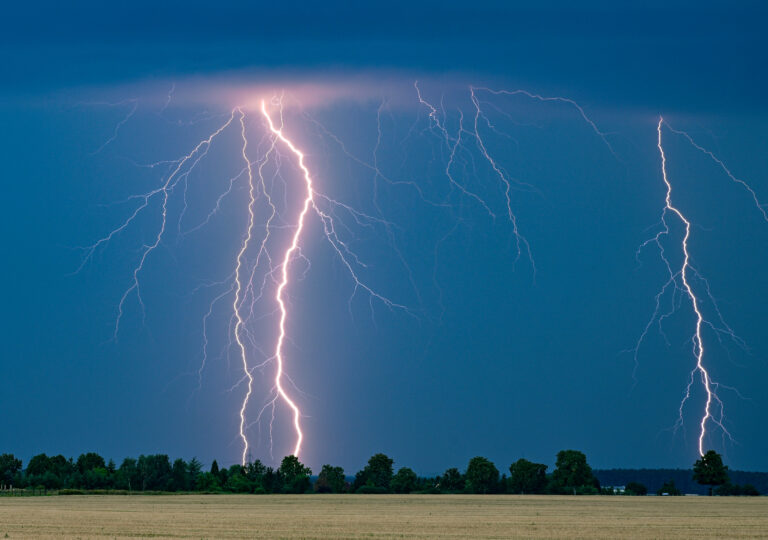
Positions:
(572, 475)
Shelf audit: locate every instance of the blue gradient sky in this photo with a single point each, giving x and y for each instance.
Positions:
(501, 362)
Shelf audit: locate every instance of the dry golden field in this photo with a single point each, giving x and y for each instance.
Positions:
(382, 516)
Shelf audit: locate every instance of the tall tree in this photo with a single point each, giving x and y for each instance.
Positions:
(404, 481)
(90, 461)
(193, 471)
(710, 471)
(180, 476)
(482, 476)
(38, 465)
(294, 474)
(330, 480)
(272, 481)
(527, 477)
(452, 480)
(155, 472)
(9, 466)
(378, 473)
(573, 475)
(128, 475)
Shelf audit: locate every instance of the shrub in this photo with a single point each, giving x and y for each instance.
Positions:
(371, 490)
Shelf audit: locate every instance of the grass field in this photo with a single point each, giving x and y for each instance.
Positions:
(382, 516)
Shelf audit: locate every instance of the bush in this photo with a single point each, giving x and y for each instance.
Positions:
(635, 488)
(735, 489)
(669, 488)
(71, 492)
(371, 490)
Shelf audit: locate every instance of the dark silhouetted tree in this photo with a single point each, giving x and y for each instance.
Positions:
(330, 480)
(735, 489)
(194, 467)
(180, 480)
(404, 481)
(527, 477)
(90, 461)
(272, 481)
(294, 475)
(668, 488)
(128, 476)
(452, 480)
(635, 488)
(38, 465)
(710, 471)
(377, 474)
(9, 467)
(482, 476)
(572, 474)
(155, 472)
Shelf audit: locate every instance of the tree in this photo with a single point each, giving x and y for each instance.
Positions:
(482, 476)
(96, 478)
(635, 488)
(668, 488)
(90, 461)
(452, 480)
(294, 475)
(180, 480)
(573, 475)
(128, 476)
(377, 474)
(207, 482)
(404, 481)
(710, 471)
(735, 489)
(193, 471)
(155, 471)
(330, 480)
(238, 483)
(9, 467)
(215, 468)
(527, 477)
(272, 481)
(38, 465)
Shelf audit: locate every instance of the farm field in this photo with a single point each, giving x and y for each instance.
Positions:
(381, 516)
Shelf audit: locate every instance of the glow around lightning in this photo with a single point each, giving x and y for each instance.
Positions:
(269, 260)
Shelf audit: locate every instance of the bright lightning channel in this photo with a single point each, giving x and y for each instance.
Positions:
(679, 281)
(238, 287)
(278, 132)
(698, 343)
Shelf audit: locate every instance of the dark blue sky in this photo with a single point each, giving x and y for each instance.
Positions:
(499, 362)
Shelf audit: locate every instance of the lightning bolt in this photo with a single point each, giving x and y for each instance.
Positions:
(308, 201)
(685, 270)
(238, 286)
(680, 283)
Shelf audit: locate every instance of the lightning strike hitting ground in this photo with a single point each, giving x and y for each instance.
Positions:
(284, 272)
(680, 281)
(685, 270)
(236, 304)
